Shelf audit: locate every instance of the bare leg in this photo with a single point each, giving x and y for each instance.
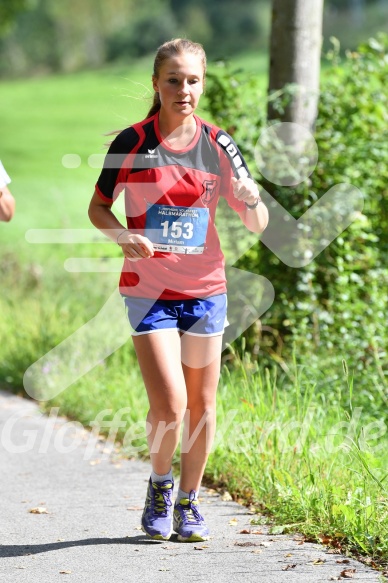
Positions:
(159, 356)
(201, 366)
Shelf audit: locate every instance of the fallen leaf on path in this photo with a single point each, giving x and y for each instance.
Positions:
(371, 563)
(212, 492)
(226, 497)
(319, 561)
(38, 510)
(287, 567)
(65, 572)
(246, 544)
(60, 540)
(342, 561)
(245, 531)
(201, 548)
(265, 544)
(333, 541)
(256, 552)
(288, 555)
(348, 573)
(233, 522)
(257, 532)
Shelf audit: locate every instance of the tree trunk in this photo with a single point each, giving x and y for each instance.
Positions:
(295, 49)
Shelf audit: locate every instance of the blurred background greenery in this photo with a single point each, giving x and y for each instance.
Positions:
(40, 36)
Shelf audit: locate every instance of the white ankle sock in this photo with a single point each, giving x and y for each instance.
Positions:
(161, 478)
(182, 494)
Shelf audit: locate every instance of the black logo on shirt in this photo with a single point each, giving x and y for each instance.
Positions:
(209, 190)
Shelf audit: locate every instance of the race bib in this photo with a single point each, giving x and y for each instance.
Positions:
(177, 229)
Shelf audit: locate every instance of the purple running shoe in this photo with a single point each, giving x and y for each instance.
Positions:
(157, 514)
(188, 522)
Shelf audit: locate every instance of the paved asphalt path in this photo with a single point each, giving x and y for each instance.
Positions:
(90, 499)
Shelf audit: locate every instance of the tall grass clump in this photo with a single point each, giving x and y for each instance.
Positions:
(303, 453)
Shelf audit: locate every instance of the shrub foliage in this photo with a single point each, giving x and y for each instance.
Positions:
(336, 305)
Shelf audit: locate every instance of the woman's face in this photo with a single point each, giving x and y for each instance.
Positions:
(180, 84)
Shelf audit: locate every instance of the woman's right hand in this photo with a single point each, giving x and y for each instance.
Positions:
(135, 247)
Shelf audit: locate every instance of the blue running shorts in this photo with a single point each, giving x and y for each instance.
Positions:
(199, 317)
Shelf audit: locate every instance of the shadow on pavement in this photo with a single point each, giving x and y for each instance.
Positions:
(23, 550)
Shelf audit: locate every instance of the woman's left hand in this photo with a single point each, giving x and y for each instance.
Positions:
(245, 189)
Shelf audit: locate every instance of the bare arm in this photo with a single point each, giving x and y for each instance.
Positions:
(7, 204)
(255, 219)
(134, 246)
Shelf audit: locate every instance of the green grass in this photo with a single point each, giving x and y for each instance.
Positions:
(305, 455)
(45, 119)
(290, 440)
(251, 63)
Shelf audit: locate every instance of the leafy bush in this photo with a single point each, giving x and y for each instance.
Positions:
(334, 307)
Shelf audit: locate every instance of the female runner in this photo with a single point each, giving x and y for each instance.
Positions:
(173, 167)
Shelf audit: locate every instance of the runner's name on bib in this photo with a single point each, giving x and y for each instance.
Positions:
(177, 229)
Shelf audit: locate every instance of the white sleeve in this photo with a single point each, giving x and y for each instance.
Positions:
(4, 178)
